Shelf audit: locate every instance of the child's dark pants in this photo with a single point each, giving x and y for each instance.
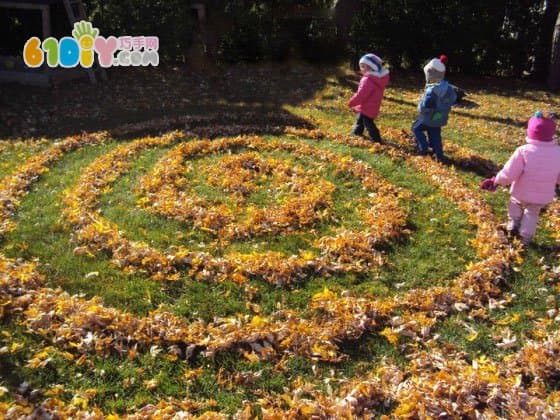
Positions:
(370, 126)
(434, 135)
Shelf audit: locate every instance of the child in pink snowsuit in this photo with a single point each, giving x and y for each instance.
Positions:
(533, 172)
(367, 100)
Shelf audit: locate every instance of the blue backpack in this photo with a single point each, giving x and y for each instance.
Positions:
(441, 98)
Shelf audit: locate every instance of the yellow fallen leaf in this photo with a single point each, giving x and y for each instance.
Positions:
(252, 357)
(259, 321)
(473, 336)
(151, 384)
(326, 294)
(390, 335)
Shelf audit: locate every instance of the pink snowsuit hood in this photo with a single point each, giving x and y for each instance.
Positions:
(533, 171)
(367, 100)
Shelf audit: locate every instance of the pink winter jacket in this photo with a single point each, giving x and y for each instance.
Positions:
(367, 100)
(532, 170)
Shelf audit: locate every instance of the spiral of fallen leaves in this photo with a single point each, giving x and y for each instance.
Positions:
(435, 384)
(347, 251)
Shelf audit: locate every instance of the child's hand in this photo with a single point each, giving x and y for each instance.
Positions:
(488, 184)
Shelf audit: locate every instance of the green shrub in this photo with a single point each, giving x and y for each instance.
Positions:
(170, 20)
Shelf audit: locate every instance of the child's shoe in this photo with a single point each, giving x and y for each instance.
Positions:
(526, 242)
(511, 226)
(444, 160)
(509, 229)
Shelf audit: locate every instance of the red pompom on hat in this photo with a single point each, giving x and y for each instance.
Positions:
(443, 59)
(541, 128)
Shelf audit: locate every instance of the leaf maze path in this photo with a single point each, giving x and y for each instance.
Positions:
(85, 326)
(346, 251)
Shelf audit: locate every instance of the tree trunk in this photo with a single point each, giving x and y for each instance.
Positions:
(554, 72)
(344, 12)
(545, 34)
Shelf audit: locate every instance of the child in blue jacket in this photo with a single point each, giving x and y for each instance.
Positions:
(434, 109)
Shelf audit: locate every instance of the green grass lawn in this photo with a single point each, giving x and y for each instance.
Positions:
(435, 251)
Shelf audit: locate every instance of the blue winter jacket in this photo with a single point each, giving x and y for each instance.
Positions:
(436, 103)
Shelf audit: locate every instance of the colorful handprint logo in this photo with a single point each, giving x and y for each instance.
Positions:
(85, 34)
(86, 41)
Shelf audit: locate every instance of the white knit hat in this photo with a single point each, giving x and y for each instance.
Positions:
(372, 61)
(434, 70)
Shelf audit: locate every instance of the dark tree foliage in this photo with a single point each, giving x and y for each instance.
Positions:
(498, 37)
(504, 37)
(275, 29)
(171, 20)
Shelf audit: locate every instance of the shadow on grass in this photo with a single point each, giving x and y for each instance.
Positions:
(242, 99)
(544, 249)
(475, 164)
(466, 104)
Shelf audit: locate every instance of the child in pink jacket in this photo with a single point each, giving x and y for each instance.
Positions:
(533, 172)
(367, 100)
